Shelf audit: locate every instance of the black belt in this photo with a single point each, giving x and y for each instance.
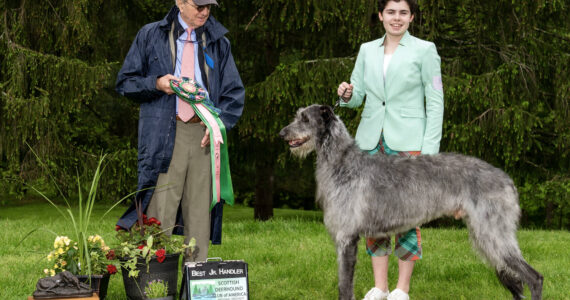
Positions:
(194, 119)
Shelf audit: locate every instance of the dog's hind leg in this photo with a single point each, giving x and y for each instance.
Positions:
(511, 282)
(495, 238)
(529, 275)
(496, 247)
(346, 255)
(517, 271)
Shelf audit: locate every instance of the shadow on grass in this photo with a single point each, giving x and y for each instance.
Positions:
(240, 213)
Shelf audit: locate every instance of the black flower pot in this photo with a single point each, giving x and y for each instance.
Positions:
(99, 283)
(166, 271)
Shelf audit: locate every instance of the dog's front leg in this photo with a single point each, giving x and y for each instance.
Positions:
(346, 249)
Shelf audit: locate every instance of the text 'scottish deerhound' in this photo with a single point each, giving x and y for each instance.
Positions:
(379, 195)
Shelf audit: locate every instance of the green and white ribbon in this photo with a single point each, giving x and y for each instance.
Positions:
(190, 91)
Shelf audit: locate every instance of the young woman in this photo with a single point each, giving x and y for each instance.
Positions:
(400, 76)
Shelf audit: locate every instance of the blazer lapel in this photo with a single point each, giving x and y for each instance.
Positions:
(397, 57)
(380, 71)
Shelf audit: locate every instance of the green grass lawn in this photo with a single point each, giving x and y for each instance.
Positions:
(292, 257)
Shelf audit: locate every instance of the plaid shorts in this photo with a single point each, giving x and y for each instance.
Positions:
(409, 244)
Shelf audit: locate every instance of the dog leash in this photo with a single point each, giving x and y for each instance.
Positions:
(338, 100)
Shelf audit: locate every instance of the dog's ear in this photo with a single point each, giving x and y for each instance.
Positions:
(327, 113)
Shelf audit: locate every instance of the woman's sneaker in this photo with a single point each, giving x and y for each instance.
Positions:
(398, 294)
(376, 294)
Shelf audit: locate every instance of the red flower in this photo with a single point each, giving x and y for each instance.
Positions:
(160, 255)
(153, 221)
(140, 247)
(117, 228)
(111, 269)
(110, 255)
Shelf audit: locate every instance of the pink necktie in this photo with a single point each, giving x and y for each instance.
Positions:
(185, 111)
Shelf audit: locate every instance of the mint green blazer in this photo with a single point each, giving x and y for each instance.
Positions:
(408, 105)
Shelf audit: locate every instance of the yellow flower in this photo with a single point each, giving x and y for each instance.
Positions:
(57, 242)
(46, 271)
(60, 241)
(63, 263)
(55, 266)
(59, 251)
(95, 238)
(50, 256)
(52, 272)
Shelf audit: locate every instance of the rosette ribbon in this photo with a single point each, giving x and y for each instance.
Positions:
(190, 91)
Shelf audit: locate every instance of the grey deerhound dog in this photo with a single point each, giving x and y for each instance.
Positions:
(379, 195)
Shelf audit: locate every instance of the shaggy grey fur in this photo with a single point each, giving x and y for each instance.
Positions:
(379, 195)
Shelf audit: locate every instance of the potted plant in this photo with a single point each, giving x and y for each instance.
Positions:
(65, 257)
(147, 253)
(87, 253)
(157, 290)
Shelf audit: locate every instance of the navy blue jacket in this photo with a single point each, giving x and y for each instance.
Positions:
(150, 58)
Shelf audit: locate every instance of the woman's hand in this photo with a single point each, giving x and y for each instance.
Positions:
(345, 91)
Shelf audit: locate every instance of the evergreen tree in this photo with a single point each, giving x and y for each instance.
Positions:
(506, 84)
(59, 61)
(505, 72)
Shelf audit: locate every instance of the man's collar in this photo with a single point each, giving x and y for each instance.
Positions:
(181, 22)
(180, 26)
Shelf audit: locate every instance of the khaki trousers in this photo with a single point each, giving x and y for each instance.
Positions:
(188, 183)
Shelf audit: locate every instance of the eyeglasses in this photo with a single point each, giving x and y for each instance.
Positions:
(190, 41)
(199, 8)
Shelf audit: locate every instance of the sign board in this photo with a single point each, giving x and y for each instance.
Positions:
(215, 280)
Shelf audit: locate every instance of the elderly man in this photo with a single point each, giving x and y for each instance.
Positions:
(173, 151)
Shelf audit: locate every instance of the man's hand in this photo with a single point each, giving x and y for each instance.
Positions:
(206, 139)
(163, 83)
(345, 91)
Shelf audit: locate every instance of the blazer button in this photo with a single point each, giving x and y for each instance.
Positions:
(383, 103)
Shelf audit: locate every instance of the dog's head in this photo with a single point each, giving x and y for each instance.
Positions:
(310, 123)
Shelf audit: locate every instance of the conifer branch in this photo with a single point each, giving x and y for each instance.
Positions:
(253, 18)
(556, 35)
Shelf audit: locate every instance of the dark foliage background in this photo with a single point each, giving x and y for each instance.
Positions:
(506, 82)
